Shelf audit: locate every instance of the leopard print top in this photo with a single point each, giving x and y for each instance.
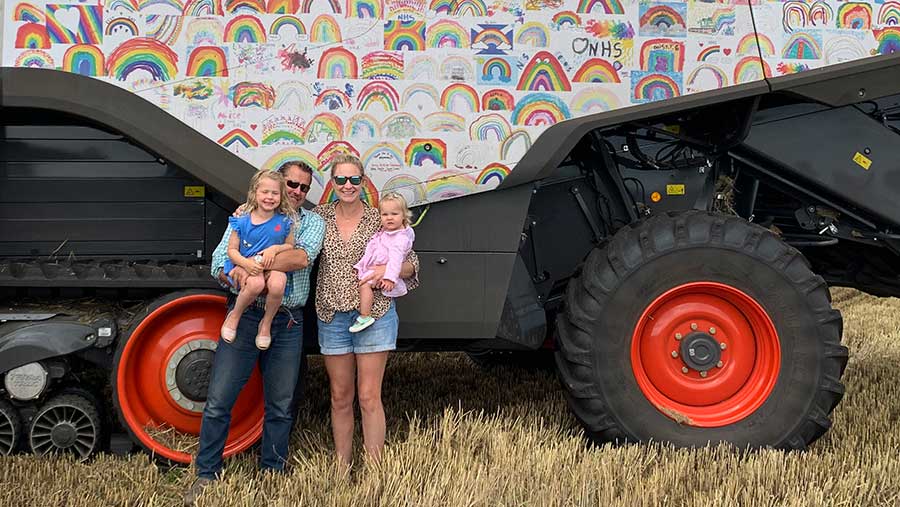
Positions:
(336, 286)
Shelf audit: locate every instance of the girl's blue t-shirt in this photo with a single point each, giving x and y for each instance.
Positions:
(255, 238)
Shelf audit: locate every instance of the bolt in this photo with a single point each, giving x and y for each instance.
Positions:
(694, 326)
(723, 346)
(684, 369)
(720, 364)
(703, 374)
(712, 330)
(674, 353)
(677, 336)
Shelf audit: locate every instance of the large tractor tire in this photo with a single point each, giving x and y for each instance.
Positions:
(161, 374)
(695, 329)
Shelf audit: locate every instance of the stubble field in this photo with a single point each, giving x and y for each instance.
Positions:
(459, 436)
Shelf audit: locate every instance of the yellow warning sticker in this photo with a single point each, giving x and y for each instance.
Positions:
(675, 189)
(862, 161)
(198, 191)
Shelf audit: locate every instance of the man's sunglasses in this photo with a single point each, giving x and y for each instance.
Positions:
(354, 180)
(294, 184)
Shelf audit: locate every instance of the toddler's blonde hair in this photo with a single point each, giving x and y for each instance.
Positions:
(284, 206)
(398, 198)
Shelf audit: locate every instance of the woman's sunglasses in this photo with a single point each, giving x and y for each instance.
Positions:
(354, 180)
(294, 184)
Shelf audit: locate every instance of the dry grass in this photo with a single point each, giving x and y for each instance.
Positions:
(461, 437)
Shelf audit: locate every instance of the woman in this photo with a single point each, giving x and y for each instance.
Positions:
(349, 224)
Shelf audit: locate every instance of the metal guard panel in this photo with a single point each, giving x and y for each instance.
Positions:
(23, 344)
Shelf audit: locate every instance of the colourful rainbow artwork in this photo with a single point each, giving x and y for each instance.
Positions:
(494, 171)
(662, 55)
(282, 7)
(207, 61)
(854, 16)
(888, 40)
(373, 9)
(534, 34)
(32, 36)
(89, 27)
(404, 35)
(238, 137)
(165, 29)
(497, 100)
(199, 89)
(795, 14)
(84, 59)
(441, 6)
(446, 33)
(601, 6)
(749, 69)
(889, 14)
(491, 39)
(421, 95)
(287, 24)
(820, 13)
(142, 54)
(249, 6)
(496, 69)
(382, 65)
(537, 109)
(444, 121)
(383, 157)
(333, 99)
(324, 127)
(460, 97)
(490, 127)
(28, 13)
(663, 19)
(595, 100)
(708, 52)
(247, 94)
(400, 125)
(307, 6)
(408, 186)
(245, 28)
(338, 63)
(449, 184)
(802, 46)
(203, 8)
(474, 8)
(420, 152)
(544, 73)
(377, 92)
(566, 19)
(650, 87)
(331, 150)
(325, 29)
(35, 58)
(753, 44)
(596, 70)
(282, 135)
(121, 26)
(706, 77)
(362, 126)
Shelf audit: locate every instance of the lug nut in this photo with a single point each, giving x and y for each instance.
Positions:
(723, 346)
(677, 336)
(694, 326)
(720, 364)
(684, 369)
(712, 330)
(703, 374)
(674, 353)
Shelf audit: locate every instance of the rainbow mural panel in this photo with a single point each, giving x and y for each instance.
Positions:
(440, 98)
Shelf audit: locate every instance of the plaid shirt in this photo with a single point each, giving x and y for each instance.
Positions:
(308, 237)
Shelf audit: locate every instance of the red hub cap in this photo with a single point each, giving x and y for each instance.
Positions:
(161, 375)
(705, 354)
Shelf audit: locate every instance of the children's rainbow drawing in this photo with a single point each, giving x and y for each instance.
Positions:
(245, 28)
(663, 19)
(497, 100)
(248, 94)
(287, 25)
(708, 52)
(32, 36)
(382, 65)
(369, 9)
(444, 121)
(596, 70)
(325, 29)
(421, 95)
(282, 7)
(795, 15)
(338, 63)
(496, 70)
(165, 29)
(749, 69)
(408, 186)
(368, 192)
(333, 149)
(333, 99)
(489, 127)
(418, 68)
(706, 77)
(84, 59)
(142, 54)
(173, 6)
(238, 137)
(662, 55)
(460, 97)
(283, 135)
(362, 126)
(889, 14)
(197, 89)
(203, 8)
(544, 73)
(491, 39)
(600, 6)
(248, 6)
(534, 34)
(446, 33)
(28, 13)
(307, 6)
(420, 152)
(456, 68)
(404, 35)
(121, 26)
(89, 29)
(442, 6)
(377, 93)
(650, 87)
(888, 40)
(820, 14)
(290, 93)
(448, 184)
(401, 125)
(474, 8)
(854, 16)
(537, 109)
(207, 61)
(324, 127)
(383, 156)
(802, 46)
(749, 46)
(493, 171)
(595, 100)
(566, 19)
(35, 58)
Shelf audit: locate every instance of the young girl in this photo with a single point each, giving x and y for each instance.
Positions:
(388, 246)
(264, 230)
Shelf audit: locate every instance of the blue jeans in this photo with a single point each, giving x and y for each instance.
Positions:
(231, 369)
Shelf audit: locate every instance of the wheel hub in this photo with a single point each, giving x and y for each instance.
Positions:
(63, 435)
(192, 374)
(700, 351)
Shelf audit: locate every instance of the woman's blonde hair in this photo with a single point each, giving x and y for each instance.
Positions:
(284, 205)
(346, 158)
(404, 209)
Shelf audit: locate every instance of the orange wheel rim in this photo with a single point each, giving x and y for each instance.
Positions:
(705, 354)
(144, 393)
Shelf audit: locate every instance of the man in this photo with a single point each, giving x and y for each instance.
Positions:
(280, 364)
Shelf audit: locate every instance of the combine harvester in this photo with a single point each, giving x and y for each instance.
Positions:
(657, 192)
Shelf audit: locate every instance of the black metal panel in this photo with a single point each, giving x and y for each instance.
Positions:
(830, 166)
(844, 83)
(23, 343)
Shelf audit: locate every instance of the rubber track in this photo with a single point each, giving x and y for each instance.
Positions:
(16, 273)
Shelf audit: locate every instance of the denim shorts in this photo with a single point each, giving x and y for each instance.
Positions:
(335, 337)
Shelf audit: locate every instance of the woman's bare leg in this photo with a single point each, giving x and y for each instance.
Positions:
(371, 374)
(341, 372)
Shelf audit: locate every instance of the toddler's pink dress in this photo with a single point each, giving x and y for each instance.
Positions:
(389, 248)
